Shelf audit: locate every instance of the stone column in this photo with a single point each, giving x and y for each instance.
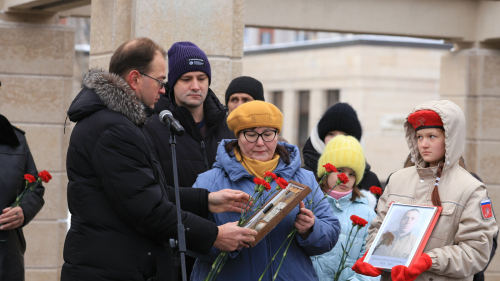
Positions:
(216, 27)
(317, 106)
(36, 69)
(290, 129)
(471, 78)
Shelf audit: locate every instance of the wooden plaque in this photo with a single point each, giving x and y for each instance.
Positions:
(276, 209)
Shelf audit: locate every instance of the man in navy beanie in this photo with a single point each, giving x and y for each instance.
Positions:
(199, 111)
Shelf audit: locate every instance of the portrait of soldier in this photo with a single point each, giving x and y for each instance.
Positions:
(399, 243)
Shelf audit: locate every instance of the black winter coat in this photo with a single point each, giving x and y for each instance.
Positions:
(15, 161)
(122, 214)
(195, 154)
(311, 158)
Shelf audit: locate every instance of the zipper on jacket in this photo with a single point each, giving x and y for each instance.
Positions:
(204, 154)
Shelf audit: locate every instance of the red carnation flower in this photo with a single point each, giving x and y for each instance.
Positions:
(261, 183)
(376, 190)
(46, 177)
(270, 174)
(342, 178)
(358, 221)
(29, 178)
(282, 183)
(330, 168)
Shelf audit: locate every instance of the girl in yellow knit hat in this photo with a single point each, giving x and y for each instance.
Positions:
(346, 154)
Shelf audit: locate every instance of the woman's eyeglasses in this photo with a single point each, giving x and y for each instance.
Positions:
(267, 136)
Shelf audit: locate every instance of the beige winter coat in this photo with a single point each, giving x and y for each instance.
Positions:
(460, 244)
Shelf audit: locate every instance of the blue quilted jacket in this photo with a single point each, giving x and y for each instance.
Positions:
(327, 264)
(248, 264)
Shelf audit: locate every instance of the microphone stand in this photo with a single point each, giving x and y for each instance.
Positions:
(179, 245)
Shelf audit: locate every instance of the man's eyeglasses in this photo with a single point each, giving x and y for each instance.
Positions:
(161, 84)
(267, 136)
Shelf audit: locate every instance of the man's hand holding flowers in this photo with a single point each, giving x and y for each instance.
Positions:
(11, 218)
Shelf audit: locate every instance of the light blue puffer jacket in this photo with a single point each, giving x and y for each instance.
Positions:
(326, 264)
(249, 263)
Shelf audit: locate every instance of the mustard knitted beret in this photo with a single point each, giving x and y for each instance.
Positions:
(343, 151)
(255, 114)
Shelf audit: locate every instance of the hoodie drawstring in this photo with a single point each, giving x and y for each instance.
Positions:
(436, 200)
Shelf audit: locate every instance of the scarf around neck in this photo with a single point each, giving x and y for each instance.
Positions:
(255, 167)
(337, 194)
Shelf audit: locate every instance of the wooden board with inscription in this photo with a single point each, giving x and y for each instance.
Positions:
(276, 209)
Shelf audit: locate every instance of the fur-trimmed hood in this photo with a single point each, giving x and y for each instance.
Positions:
(454, 129)
(102, 90)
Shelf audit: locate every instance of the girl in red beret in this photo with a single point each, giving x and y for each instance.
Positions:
(460, 243)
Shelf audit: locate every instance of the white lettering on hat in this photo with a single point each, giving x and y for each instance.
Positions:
(196, 62)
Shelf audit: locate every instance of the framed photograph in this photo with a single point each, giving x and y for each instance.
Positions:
(402, 235)
(276, 209)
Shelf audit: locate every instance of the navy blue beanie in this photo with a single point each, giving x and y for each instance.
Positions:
(340, 117)
(186, 57)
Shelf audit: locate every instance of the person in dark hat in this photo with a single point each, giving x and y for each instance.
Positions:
(241, 90)
(339, 119)
(189, 97)
(15, 161)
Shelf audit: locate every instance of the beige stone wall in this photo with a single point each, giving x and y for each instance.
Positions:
(470, 78)
(36, 69)
(380, 82)
(216, 27)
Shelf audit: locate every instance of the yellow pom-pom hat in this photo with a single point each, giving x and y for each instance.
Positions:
(255, 114)
(343, 151)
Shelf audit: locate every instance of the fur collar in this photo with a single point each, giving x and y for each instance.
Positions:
(116, 94)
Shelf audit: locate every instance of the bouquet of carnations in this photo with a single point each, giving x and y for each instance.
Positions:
(30, 184)
(255, 203)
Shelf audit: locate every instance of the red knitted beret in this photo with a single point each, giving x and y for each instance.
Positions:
(424, 119)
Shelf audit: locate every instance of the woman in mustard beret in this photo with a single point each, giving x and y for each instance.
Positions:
(256, 125)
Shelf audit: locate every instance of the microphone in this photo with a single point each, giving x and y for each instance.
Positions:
(168, 119)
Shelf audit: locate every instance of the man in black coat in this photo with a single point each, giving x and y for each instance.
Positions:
(197, 109)
(123, 213)
(15, 162)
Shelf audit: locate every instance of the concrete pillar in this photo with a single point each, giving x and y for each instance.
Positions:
(317, 106)
(471, 79)
(36, 69)
(216, 27)
(290, 129)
